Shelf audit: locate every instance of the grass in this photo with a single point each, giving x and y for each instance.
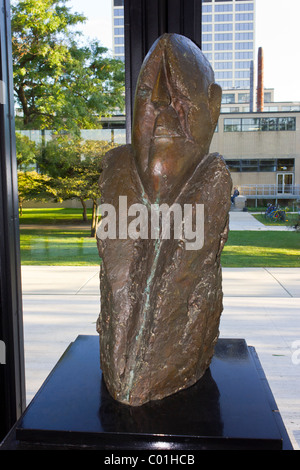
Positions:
(52, 216)
(58, 247)
(262, 249)
(61, 246)
(76, 247)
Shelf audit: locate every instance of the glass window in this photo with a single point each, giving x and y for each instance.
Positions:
(244, 17)
(228, 98)
(221, 8)
(243, 97)
(207, 37)
(243, 45)
(244, 26)
(119, 50)
(220, 18)
(223, 37)
(118, 12)
(285, 164)
(244, 36)
(267, 164)
(232, 125)
(287, 124)
(242, 83)
(243, 65)
(223, 65)
(242, 74)
(249, 165)
(119, 31)
(267, 97)
(223, 56)
(223, 27)
(234, 165)
(119, 21)
(118, 3)
(223, 46)
(244, 55)
(119, 40)
(250, 125)
(244, 7)
(207, 47)
(208, 55)
(271, 108)
(207, 8)
(226, 84)
(223, 75)
(268, 124)
(206, 28)
(207, 18)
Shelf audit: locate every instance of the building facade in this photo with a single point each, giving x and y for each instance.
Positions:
(118, 29)
(262, 152)
(228, 40)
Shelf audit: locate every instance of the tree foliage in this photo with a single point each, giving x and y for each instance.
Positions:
(60, 84)
(33, 186)
(26, 149)
(64, 85)
(75, 167)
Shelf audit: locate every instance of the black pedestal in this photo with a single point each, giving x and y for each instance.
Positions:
(231, 407)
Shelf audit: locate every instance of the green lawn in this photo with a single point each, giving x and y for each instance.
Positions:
(243, 249)
(262, 249)
(58, 247)
(52, 216)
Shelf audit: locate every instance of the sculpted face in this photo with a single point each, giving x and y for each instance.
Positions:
(177, 106)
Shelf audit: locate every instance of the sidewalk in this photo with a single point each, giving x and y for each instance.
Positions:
(245, 221)
(260, 305)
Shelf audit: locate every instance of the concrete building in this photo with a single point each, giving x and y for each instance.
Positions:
(262, 151)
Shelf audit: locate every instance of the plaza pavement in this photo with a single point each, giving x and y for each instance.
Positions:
(261, 305)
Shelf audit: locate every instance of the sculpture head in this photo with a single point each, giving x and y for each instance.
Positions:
(177, 106)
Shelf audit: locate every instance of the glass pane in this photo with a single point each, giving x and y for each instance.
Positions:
(267, 165)
(249, 165)
(250, 125)
(232, 125)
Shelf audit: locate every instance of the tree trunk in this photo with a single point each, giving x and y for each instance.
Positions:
(20, 207)
(94, 219)
(84, 213)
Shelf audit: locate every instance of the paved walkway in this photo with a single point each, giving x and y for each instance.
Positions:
(246, 221)
(261, 305)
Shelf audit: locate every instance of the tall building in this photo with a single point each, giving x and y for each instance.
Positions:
(118, 29)
(228, 40)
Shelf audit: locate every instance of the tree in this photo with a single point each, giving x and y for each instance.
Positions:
(33, 186)
(26, 151)
(75, 167)
(58, 83)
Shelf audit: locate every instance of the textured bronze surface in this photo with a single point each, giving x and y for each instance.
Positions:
(161, 302)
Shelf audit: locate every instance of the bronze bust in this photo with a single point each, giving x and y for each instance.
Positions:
(161, 296)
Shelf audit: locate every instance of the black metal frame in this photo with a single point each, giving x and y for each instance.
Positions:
(144, 22)
(12, 373)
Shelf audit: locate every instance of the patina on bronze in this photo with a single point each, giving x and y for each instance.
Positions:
(161, 303)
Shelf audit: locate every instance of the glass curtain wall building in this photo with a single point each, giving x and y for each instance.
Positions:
(228, 40)
(118, 29)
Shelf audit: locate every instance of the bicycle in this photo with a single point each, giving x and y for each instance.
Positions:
(275, 213)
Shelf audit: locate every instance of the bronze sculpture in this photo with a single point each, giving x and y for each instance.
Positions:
(161, 296)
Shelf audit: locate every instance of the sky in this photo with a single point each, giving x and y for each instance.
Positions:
(277, 32)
